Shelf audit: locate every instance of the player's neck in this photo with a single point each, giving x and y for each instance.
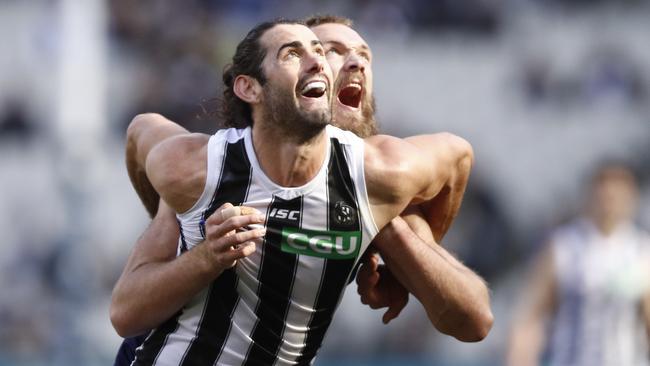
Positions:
(607, 225)
(289, 162)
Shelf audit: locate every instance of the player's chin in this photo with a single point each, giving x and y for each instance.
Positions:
(344, 116)
(350, 120)
(319, 118)
(310, 104)
(316, 113)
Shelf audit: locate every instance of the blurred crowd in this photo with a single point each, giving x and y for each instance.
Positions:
(548, 106)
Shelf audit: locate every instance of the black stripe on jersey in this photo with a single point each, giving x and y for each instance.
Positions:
(341, 193)
(276, 276)
(183, 242)
(148, 352)
(235, 176)
(216, 321)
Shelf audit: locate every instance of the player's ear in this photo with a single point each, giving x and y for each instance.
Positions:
(247, 88)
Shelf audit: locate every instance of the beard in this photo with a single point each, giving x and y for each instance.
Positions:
(362, 124)
(282, 111)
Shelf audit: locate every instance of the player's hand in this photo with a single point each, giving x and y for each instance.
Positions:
(229, 236)
(379, 288)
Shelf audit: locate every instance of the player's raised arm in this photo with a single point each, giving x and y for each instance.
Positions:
(400, 172)
(455, 298)
(177, 169)
(536, 304)
(403, 172)
(429, 221)
(145, 132)
(453, 157)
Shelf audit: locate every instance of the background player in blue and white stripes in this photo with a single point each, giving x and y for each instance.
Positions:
(396, 228)
(595, 266)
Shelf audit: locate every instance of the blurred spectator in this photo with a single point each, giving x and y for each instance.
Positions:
(606, 74)
(484, 226)
(482, 17)
(588, 298)
(611, 73)
(178, 49)
(14, 121)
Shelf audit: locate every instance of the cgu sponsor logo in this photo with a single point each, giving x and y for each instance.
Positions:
(323, 244)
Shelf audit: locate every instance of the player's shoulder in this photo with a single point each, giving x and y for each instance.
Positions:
(177, 149)
(187, 143)
(388, 164)
(178, 163)
(387, 152)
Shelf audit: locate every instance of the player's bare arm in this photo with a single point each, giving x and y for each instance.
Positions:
(455, 298)
(176, 163)
(453, 157)
(538, 303)
(646, 313)
(645, 309)
(402, 173)
(155, 283)
(399, 173)
(145, 132)
(177, 168)
(377, 286)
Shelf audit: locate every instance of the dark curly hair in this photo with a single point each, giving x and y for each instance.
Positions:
(246, 61)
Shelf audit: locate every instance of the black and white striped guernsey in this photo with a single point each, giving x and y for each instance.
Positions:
(273, 307)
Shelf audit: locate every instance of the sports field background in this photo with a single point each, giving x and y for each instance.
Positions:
(543, 89)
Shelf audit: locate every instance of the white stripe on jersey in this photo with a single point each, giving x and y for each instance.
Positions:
(178, 342)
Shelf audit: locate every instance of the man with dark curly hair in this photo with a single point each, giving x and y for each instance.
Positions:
(294, 119)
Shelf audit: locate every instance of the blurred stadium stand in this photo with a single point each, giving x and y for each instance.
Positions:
(542, 89)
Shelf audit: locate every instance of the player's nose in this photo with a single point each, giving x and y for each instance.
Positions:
(354, 62)
(315, 63)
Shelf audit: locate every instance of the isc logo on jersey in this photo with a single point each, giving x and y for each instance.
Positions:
(323, 244)
(285, 214)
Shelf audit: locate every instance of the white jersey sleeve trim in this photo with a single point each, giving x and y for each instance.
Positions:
(357, 147)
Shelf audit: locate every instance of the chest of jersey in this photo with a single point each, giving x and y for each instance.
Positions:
(275, 305)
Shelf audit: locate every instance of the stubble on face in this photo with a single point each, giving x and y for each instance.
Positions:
(351, 110)
(295, 109)
(362, 121)
(282, 112)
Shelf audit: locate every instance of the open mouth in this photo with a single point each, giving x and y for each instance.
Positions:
(314, 89)
(350, 95)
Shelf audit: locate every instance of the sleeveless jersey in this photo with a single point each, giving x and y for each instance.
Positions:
(601, 282)
(274, 306)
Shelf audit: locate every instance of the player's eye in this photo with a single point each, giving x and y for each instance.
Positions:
(333, 51)
(292, 54)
